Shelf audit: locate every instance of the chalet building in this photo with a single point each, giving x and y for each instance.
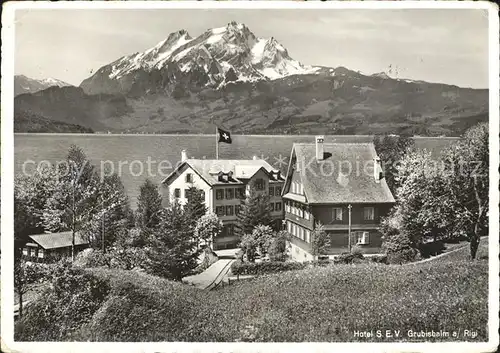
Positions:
(341, 186)
(225, 183)
(52, 246)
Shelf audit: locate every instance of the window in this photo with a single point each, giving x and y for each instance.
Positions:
(219, 194)
(363, 238)
(237, 209)
(259, 184)
(219, 210)
(337, 213)
(289, 227)
(32, 252)
(40, 253)
(229, 194)
(272, 207)
(301, 212)
(278, 206)
(278, 191)
(25, 251)
(202, 194)
(189, 178)
(271, 191)
(308, 236)
(230, 230)
(287, 207)
(177, 193)
(187, 194)
(297, 188)
(369, 213)
(229, 210)
(307, 215)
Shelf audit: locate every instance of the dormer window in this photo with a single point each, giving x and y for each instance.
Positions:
(224, 177)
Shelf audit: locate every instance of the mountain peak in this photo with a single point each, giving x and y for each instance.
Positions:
(229, 51)
(24, 84)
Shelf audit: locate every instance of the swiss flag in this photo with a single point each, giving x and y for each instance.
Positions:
(224, 136)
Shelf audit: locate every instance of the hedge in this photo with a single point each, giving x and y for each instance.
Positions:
(260, 268)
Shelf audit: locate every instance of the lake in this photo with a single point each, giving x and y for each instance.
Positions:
(138, 157)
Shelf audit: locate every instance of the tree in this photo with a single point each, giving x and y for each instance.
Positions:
(320, 241)
(112, 217)
(248, 245)
(278, 247)
(195, 206)
(468, 184)
(255, 210)
(148, 205)
(391, 149)
(172, 247)
(443, 199)
(208, 227)
(71, 206)
(30, 197)
(264, 236)
(423, 210)
(24, 276)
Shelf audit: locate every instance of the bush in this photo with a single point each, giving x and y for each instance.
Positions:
(399, 250)
(261, 268)
(380, 259)
(431, 249)
(320, 263)
(91, 258)
(72, 300)
(349, 258)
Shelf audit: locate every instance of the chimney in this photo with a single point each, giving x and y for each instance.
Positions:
(183, 156)
(255, 158)
(377, 169)
(320, 150)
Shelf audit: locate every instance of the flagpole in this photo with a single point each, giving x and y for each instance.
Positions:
(216, 144)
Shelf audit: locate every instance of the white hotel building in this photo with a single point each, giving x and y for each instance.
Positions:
(225, 183)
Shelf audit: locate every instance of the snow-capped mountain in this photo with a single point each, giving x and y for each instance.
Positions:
(23, 84)
(231, 77)
(218, 56)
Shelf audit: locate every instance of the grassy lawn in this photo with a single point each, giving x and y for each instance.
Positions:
(315, 304)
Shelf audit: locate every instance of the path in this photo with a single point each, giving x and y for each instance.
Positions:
(213, 275)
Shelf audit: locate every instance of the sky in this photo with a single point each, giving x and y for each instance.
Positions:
(435, 45)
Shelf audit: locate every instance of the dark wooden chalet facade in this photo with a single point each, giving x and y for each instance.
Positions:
(49, 247)
(341, 186)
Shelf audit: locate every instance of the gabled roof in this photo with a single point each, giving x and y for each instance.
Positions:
(345, 175)
(57, 240)
(209, 169)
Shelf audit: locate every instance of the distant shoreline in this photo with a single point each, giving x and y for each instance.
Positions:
(209, 135)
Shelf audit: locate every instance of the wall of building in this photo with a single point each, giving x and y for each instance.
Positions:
(180, 183)
(299, 254)
(339, 242)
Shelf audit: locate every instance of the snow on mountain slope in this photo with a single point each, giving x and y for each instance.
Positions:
(24, 84)
(151, 57)
(217, 56)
